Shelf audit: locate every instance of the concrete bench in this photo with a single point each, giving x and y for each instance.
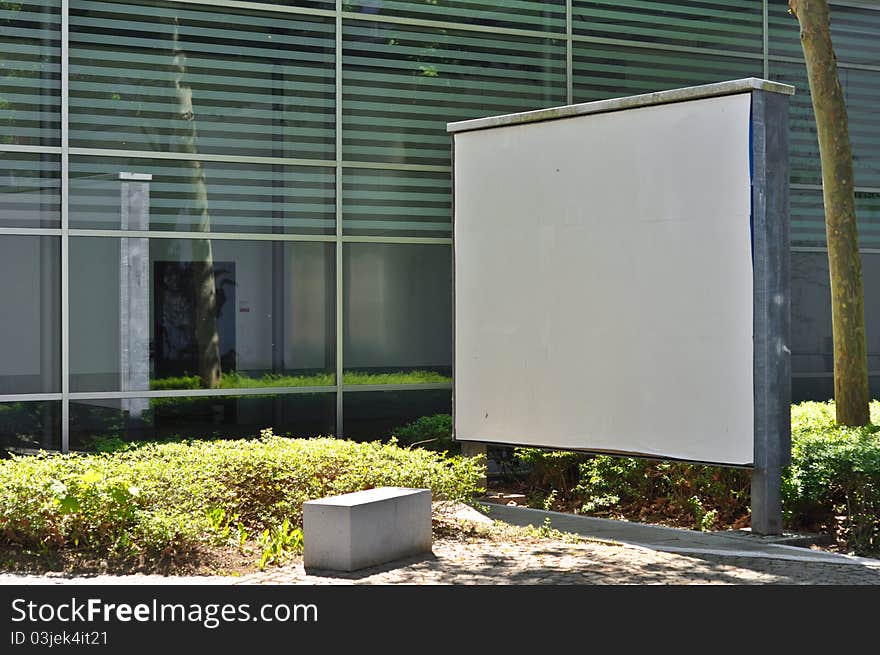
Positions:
(366, 528)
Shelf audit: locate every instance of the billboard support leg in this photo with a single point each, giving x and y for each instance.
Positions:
(770, 261)
(767, 500)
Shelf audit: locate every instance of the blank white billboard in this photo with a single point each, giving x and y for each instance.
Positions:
(604, 285)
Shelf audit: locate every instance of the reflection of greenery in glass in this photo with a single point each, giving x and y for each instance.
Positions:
(242, 381)
(395, 377)
(16, 420)
(21, 424)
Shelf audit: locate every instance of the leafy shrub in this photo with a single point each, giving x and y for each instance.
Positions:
(431, 432)
(833, 482)
(159, 501)
(553, 470)
(704, 493)
(834, 479)
(276, 544)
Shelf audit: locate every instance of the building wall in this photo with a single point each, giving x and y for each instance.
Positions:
(304, 144)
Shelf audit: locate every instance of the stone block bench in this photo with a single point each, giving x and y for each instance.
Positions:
(366, 528)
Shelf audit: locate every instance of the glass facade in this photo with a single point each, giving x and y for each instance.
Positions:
(218, 218)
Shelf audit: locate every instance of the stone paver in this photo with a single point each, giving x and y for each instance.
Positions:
(483, 560)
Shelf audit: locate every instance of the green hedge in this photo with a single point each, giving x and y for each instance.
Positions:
(834, 478)
(833, 483)
(159, 501)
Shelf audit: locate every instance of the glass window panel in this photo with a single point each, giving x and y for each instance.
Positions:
(30, 190)
(812, 346)
(31, 425)
(201, 196)
(602, 71)
(734, 25)
(545, 15)
(143, 315)
(821, 387)
(868, 216)
(30, 73)
(93, 423)
(861, 91)
(855, 32)
(181, 78)
(397, 309)
(396, 203)
(808, 218)
(30, 332)
(369, 415)
(403, 84)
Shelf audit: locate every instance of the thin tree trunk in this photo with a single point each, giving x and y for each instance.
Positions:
(835, 152)
(207, 338)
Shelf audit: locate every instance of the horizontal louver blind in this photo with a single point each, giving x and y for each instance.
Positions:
(611, 71)
(403, 84)
(808, 218)
(396, 203)
(325, 5)
(546, 16)
(30, 190)
(260, 84)
(234, 197)
(862, 93)
(855, 33)
(30, 73)
(733, 25)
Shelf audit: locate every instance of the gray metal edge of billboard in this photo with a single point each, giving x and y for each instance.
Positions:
(769, 153)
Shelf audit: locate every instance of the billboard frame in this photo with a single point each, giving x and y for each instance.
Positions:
(769, 155)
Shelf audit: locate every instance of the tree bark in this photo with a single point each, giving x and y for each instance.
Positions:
(207, 337)
(838, 188)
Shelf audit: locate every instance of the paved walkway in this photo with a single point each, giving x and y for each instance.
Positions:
(618, 553)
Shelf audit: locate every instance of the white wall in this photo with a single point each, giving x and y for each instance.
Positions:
(603, 282)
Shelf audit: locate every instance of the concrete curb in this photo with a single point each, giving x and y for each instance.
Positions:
(671, 540)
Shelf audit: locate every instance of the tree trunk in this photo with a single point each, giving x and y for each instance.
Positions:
(207, 338)
(835, 152)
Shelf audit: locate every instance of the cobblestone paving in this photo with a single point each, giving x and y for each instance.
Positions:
(480, 560)
(557, 562)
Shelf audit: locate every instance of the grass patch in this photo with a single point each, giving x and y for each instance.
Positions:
(158, 504)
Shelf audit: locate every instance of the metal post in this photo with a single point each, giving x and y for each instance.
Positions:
(772, 362)
(49, 346)
(340, 428)
(65, 226)
(569, 54)
(765, 38)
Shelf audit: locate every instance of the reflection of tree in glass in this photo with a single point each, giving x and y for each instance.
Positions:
(24, 66)
(207, 336)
